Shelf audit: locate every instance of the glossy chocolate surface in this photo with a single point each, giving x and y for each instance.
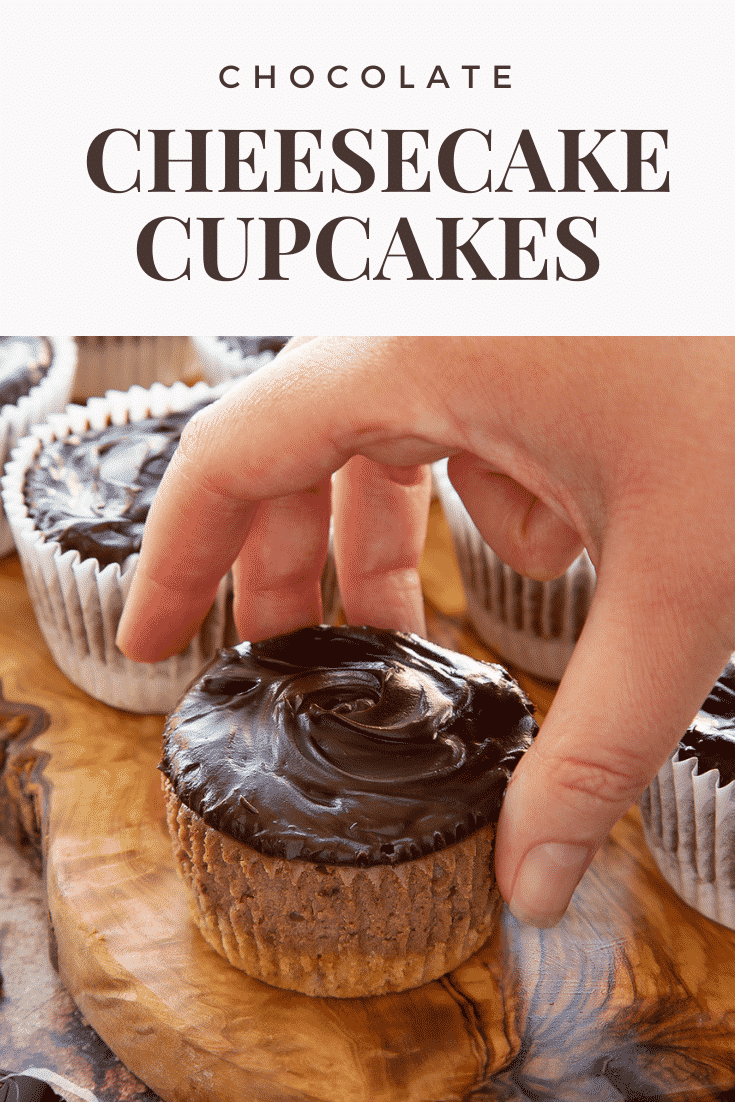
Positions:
(253, 346)
(92, 491)
(350, 746)
(24, 361)
(711, 738)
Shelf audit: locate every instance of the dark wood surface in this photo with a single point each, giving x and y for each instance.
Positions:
(40, 1026)
(631, 997)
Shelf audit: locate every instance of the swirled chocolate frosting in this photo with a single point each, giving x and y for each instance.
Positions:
(347, 746)
(92, 491)
(24, 361)
(711, 737)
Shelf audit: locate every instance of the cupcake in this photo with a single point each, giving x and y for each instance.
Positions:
(107, 363)
(533, 625)
(232, 357)
(332, 797)
(77, 492)
(688, 810)
(36, 376)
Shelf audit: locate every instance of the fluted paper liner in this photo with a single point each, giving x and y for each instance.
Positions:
(220, 363)
(49, 396)
(689, 825)
(334, 929)
(123, 362)
(535, 625)
(78, 605)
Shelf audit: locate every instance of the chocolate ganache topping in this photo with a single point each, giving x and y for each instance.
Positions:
(24, 361)
(711, 737)
(347, 746)
(92, 491)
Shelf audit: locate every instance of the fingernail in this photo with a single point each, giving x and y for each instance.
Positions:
(546, 881)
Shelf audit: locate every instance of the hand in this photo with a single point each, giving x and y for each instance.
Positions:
(623, 445)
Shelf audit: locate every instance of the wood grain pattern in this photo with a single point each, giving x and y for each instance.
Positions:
(39, 1024)
(631, 997)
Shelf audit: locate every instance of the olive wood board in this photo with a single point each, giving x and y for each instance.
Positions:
(631, 997)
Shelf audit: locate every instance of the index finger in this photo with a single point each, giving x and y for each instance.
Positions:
(279, 434)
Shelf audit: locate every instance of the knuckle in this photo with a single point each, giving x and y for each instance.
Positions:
(191, 463)
(192, 441)
(272, 569)
(272, 575)
(388, 580)
(588, 783)
(281, 585)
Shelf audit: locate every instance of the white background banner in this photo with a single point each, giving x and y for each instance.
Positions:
(74, 255)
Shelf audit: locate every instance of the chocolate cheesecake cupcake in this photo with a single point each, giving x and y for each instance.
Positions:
(234, 357)
(332, 797)
(36, 376)
(77, 493)
(92, 491)
(688, 810)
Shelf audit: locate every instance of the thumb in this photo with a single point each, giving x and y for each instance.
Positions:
(649, 654)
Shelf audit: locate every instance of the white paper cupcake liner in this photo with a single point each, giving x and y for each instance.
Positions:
(220, 363)
(77, 605)
(50, 396)
(118, 363)
(534, 625)
(689, 826)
